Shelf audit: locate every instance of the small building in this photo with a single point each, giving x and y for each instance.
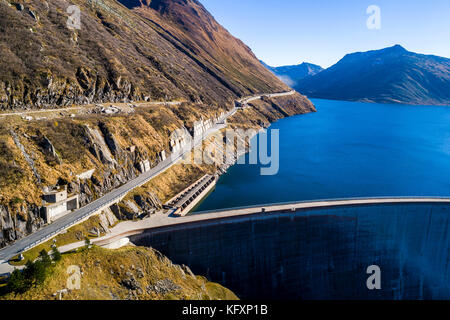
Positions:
(162, 154)
(144, 166)
(57, 204)
(55, 196)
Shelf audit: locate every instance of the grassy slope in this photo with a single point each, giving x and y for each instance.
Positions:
(104, 270)
(75, 234)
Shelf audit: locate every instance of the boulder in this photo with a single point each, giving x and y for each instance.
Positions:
(131, 283)
(163, 287)
(187, 270)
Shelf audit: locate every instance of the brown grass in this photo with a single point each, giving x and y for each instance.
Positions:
(103, 270)
(75, 234)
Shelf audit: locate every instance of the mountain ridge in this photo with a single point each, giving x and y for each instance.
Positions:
(389, 75)
(291, 74)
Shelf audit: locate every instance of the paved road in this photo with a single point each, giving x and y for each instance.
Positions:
(243, 100)
(28, 112)
(114, 196)
(83, 213)
(269, 95)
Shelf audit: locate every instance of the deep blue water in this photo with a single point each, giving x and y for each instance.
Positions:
(348, 149)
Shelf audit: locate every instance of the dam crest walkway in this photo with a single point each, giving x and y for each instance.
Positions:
(130, 228)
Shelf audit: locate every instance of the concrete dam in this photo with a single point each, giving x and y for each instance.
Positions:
(317, 251)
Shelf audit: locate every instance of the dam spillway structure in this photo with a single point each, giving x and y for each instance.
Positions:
(190, 197)
(317, 252)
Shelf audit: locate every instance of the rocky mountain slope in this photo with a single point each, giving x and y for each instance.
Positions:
(291, 75)
(167, 50)
(124, 51)
(391, 75)
(92, 154)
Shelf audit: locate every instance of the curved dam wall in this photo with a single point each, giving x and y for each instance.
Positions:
(320, 253)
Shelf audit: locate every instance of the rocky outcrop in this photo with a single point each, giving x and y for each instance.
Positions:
(107, 220)
(18, 222)
(49, 149)
(148, 202)
(163, 287)
(130, 282)
(64, 92)
(26, 155)
(97, 146)
(141, 206)
(110, 140)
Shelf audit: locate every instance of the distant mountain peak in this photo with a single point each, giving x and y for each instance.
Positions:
(389, 75)
(395, 49)
(293, 73)
(307, 64)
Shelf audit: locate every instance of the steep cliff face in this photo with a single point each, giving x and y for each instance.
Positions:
(161, 50)
(18, 221)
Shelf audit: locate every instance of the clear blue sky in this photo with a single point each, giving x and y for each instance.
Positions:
(283, 32)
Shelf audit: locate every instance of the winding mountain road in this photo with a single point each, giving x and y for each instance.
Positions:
(59, 110)
(268, 95)
(112, 197)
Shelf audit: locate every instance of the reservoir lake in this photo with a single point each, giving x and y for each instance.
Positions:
(346, 150)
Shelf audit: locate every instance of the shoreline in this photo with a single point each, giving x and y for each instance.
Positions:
(99, 204)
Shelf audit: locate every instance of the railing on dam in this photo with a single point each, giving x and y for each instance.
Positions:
(248, 211)
(331, 202)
